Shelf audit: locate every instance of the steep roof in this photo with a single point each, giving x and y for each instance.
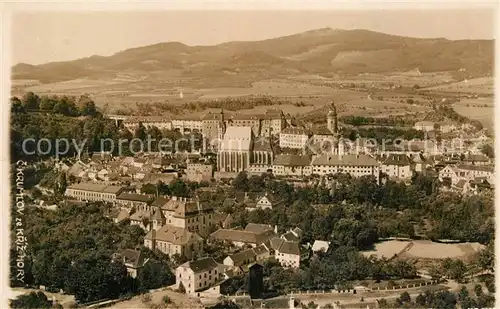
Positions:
(242, 256)
(484, 168)
(135, 197)
(183, 207)
(289, 236)
(397, 159)
(93, 187)
(133, 257)
(320, 245)
(160, 201)
(322, 131)
(296, 131)
(173, 234)
(237, 138)
(261, 249)
(241, 236)
(291, 160)
(275, 243)
(158, 215)
(349, 160)
(290, 247)
(477, 158)
(258, 228)
(201, 265)
(262, 144)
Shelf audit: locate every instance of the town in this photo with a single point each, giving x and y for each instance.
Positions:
(243, 160)
(214, 213)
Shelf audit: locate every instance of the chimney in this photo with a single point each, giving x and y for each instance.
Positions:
(291, 303)
(276, 229)
(174, 198)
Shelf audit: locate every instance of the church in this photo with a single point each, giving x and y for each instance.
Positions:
(239, 150)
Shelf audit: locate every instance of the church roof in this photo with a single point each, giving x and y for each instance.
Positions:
(237, 139)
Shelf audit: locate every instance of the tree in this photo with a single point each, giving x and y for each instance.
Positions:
(35, 300)
(140, 132)
(86, 106)
(405, 297)
(454, 269)
(478, 289)
(179, 188)
(119, 281)
(488, 151)
(31, 101)
(149, 188)
(16, 105)
(240, 183)
(154, 275)
(46, 103)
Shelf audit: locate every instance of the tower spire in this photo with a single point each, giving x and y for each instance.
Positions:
(332, 118)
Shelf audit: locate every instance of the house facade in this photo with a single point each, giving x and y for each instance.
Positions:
(294, 138)
(172, 240)
(199, 275)
(93, 192)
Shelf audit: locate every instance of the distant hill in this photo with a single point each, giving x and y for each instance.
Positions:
(321, 51)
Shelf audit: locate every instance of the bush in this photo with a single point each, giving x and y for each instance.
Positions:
(166, 300)
(146, 298)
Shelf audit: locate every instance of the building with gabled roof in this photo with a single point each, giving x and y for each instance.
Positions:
(289, 253)
(241, 258)
(356, 165)
(292, 165)
(133, 260)
(199, 275)
(172, 240)
(398, 166)
(87, 191)
(190, 214)
(294, 138)
(141, 202)
(241, 238)
(320, 245)
(258, 228)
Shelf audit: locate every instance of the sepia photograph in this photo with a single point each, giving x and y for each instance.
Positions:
(337, 157)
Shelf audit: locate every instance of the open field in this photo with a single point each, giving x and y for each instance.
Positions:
(423, 249)
(179, 301)
(63, 299)
(387, 249)
(126, 90)
(482, 85)
(482, 109)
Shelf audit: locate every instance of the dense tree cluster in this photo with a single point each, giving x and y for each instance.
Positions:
(358, 211)
(442, 299)
(231, 104)
(380, 121)
(72, 248)
(54, 131)
(64, 105)
(381, 134)
(334, 270)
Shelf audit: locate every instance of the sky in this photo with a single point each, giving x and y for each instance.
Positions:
(42, 37)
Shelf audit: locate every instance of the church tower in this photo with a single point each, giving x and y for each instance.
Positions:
(222, 124)
(332, 119)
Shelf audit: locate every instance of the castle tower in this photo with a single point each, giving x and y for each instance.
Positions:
(332, 119)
